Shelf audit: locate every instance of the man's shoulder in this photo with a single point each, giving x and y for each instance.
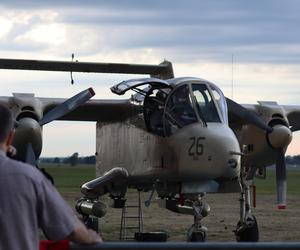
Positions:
(27, 170)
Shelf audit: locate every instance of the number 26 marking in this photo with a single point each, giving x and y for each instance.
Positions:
(196, 147)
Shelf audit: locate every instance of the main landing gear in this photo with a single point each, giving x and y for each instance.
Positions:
(197, 232)
(247, 228)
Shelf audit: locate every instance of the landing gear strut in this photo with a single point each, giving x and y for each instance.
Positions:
(247, 228)
(197, 232)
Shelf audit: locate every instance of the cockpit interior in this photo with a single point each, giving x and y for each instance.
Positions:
(176, 103)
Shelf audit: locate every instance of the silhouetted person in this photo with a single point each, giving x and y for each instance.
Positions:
(29, 201)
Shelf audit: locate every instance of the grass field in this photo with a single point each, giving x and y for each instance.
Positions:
(268, 186)
(274, 225)
(69, 179)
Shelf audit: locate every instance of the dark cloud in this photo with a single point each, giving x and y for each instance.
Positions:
(255, 31)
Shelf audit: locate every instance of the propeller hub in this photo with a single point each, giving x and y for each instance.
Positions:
(28, 131)
(280, 137)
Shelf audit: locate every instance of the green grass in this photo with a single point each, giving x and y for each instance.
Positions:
(68, 178)
(268, 186)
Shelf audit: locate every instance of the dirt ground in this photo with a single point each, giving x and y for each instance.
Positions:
(274, 224)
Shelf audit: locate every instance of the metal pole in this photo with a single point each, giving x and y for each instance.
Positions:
(190, 246)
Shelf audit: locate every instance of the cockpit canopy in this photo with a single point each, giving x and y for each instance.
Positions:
(173, 104)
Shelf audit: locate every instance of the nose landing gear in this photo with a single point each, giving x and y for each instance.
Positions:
(197, 232)
(247, 227)
(247, 231)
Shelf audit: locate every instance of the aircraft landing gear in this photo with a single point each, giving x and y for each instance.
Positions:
(197, 232)
(247, 231)
(247, 228)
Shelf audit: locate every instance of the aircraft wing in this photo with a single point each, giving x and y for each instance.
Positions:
(236, 120)
(95, 110)
(164, 70)
(92, 110)
(4, 100)
(293, 115)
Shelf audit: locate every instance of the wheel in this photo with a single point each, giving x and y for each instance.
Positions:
(247, 233)
(196, 235)
(160, 236)
(119, 202)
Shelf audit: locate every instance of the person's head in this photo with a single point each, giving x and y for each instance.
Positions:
(6, 127)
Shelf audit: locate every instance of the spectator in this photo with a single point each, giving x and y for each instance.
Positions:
(29, 201)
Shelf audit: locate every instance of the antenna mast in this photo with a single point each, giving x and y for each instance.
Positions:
(232, 76)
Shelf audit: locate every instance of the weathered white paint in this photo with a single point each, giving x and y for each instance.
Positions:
(124, 145)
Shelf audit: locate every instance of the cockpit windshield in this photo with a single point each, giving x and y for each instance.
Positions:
(194, 102)
(204, 103)
(179, 110)
(221, 102)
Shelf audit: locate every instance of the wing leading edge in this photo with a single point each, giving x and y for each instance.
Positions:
(293, 115)
(96, 110)
(163, 70)
(291, 112)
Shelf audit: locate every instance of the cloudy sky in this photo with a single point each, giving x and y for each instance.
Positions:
(199, 37)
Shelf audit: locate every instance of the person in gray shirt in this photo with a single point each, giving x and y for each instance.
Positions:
(28, 201)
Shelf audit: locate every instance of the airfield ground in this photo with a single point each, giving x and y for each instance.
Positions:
(274, 225)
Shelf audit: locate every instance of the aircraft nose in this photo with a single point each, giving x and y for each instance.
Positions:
(223, 146)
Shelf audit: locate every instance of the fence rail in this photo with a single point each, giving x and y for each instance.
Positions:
(190, 246)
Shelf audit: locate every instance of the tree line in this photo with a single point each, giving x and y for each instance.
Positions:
(292, 160)
(72, 160)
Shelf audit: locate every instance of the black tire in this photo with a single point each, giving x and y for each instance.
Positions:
(152, 236)
(199, 236)
(119, 203)
(248, 234)
(194, 235)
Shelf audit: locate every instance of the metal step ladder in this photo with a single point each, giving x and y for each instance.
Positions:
(131, 220)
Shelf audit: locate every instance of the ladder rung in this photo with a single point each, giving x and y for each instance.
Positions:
(132, 215)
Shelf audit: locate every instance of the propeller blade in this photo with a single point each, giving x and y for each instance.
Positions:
(247, 115)
(281, 179)
(67, 106)
(30, 155)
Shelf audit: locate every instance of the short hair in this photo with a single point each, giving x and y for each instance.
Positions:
(6, 122)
